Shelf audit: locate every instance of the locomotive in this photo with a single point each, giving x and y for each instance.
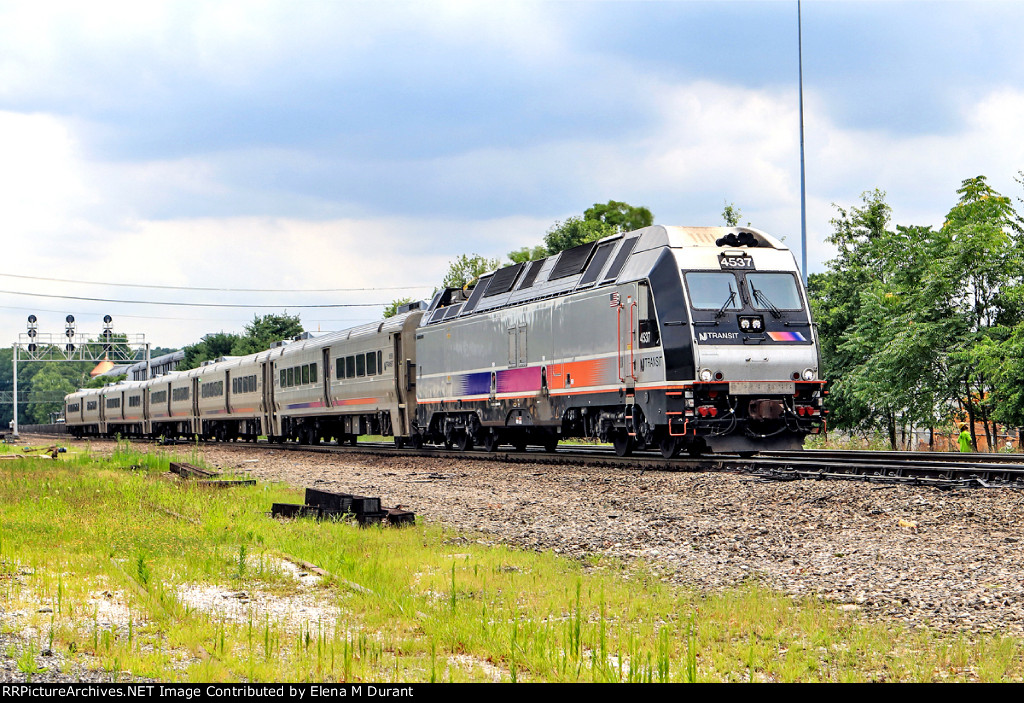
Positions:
(695, 339)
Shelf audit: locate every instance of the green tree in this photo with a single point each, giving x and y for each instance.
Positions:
(621, 216)
(466, 269)
(731, 214)
(211, 346)
(575, 231)
(919, 324)
(979, 278)
(521, 256)
(391, 309)
(51, 380)
(100, 381)
(264, 331)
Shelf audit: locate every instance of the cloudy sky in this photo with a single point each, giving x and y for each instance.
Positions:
(354, 148)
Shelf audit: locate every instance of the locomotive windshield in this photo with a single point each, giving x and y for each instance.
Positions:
(713, 291)
(773, 291)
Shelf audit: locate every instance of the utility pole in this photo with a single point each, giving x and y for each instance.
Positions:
(803, 180)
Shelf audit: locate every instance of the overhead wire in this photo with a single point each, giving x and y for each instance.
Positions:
(184, 304)
(208, 289)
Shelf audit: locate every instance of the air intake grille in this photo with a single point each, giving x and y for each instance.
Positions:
(572, 261)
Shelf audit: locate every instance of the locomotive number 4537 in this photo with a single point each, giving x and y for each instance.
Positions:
(733, 261)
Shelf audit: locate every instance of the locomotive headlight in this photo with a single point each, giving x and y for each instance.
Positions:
(705, 375)
(744, 323)
(808, 374)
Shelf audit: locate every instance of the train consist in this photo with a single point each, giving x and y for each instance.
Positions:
(694, 339)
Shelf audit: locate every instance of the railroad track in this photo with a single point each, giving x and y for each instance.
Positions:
(939, 469)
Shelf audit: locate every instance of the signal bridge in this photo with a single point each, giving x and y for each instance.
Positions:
(33, 345)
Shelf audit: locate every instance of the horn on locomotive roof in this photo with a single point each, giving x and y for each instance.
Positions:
(743, 239)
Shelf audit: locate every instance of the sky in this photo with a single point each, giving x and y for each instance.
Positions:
(329, 157)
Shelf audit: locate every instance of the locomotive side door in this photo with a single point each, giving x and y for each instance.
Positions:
(627, 320)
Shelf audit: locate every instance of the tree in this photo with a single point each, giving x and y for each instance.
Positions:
(466, 269)
(521, 256)
(212, 346)
(979, 276)
(731, 214)
(100, 381)
(917, 324)
(575, 231)
(52, 379)
(264, 331)
(391, 309)
(622, 216)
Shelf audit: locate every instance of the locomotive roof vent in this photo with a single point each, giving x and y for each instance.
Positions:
(742, 239)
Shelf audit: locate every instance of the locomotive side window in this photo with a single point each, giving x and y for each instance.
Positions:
(305, 373)
(713, 291)
(778, 289)
(360, 365)
(339, 370)
(350, 367)
(291, 377)
(648, 323)
(312, 373)
(371, 364)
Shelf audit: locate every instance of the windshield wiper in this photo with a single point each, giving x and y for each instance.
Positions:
(762, 299)
(728, 301)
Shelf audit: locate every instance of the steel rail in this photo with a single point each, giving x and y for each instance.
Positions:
(941, 469)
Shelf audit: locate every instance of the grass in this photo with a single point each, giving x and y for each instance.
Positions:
(88, 537)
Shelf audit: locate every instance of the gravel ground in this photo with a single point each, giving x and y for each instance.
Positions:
(948, 559)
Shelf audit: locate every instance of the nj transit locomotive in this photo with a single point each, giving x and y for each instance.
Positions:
(676, 338)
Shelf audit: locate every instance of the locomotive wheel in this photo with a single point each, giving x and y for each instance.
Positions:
(464, 440)
(399, 442)
(696, 449)
(551, 442)
(623, 443)
(491, 441)
(669, 447)
(417, 440)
